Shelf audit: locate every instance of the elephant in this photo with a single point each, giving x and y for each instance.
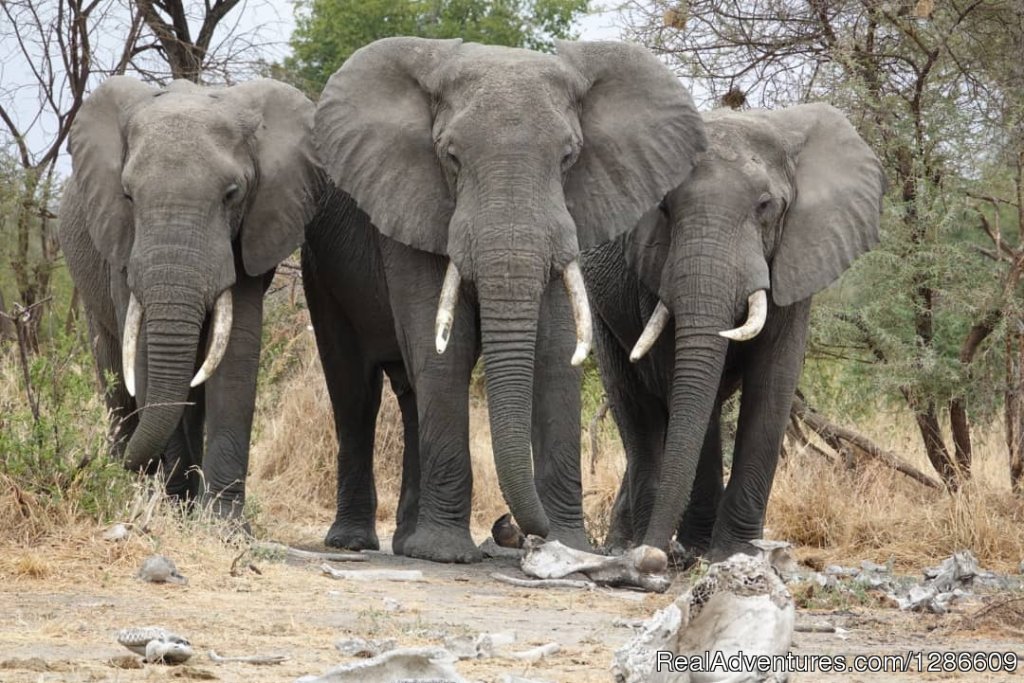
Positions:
(181, 202)
(468, 179)
(778, 207)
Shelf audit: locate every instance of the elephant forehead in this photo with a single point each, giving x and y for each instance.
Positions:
(748, 141)
(498, 76)
(184, 117)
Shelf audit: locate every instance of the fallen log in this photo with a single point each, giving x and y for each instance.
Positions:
(831, 433)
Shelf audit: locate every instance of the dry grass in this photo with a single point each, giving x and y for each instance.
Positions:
(293, 471)
(877, 513)
(830, 513)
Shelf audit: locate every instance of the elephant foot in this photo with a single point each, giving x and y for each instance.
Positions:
(442, 544)
(351, 537)
(683, 556)
(723, 550)
(227, 514)
(402, 534)
(574, 537)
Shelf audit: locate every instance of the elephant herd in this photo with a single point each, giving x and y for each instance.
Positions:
(456, 201)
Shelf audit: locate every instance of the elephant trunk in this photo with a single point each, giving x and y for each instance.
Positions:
(509, 296)
(701, 313)
(174, 320)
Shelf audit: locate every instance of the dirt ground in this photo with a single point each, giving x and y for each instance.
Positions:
(58, 624)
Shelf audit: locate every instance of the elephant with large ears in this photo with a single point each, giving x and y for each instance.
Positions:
(486, 169)
(181, 203)
(778, 207)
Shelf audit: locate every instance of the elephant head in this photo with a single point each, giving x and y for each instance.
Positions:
(180, 185)
(782, 201)
(507, 162)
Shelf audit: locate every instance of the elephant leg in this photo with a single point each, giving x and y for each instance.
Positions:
(441, 383)
(183, 458)
(698, 521)
(231, 400)
(354, 385)
(556, 420)
(409, 499)
(620, 527)
(772, 364)
(642, 420)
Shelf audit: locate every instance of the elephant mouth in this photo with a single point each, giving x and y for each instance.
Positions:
(572, 277)
(222, 319)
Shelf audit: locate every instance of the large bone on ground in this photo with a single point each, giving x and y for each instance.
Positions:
(373, 574)
(643, 566)
(411, 664)
(740, 604)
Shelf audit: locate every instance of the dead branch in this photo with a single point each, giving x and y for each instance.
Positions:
(833, 432)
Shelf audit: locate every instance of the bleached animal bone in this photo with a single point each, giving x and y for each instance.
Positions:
(741, 604)
(414, 664)
(307, 555)
(249, 659)
(156, 644)
(643, 566)
(373, 574)
(160, 569)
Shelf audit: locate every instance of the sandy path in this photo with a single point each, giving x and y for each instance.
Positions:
(63, 632)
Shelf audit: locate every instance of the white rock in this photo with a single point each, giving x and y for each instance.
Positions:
(430, 663)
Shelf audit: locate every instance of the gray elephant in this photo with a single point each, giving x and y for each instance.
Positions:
(484, 170)
(181, 203)
(782, 202)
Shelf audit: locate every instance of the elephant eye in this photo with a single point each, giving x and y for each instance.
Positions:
(127, 195)
(231, 193)
(453, 159)
(568, 157)
(764, 204)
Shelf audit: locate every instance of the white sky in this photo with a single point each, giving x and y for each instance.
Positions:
(273, 19)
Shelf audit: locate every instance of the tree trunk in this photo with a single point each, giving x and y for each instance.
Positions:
(1013, 406)
(7, 331)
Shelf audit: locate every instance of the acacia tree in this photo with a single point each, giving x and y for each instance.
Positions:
(328, 31)
(915, 317)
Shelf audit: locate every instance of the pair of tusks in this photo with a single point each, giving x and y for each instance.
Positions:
(573, 279)
(222, 316)
(757, 314)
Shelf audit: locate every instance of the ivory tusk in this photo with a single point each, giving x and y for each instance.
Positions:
(655, 326)
(580, 310)
(757, 314)
(222, 316)
(446, 307)
(130, 343)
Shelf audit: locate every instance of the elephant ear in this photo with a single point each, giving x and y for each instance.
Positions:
(97, 146)
(835, 216)
(646, 248)
(373, 132)
(290, 179)
(641, 137)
